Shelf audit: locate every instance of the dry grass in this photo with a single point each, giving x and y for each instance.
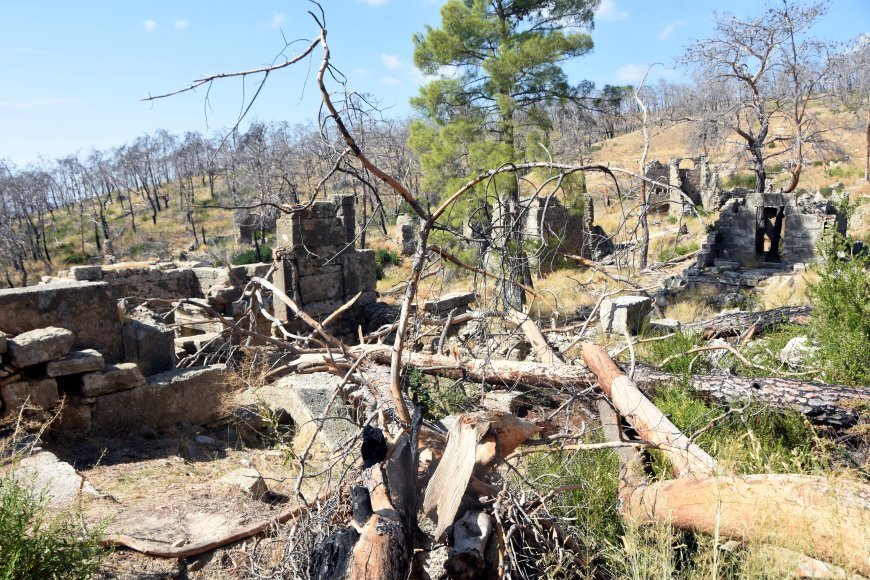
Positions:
(786, 290)
(691, 305)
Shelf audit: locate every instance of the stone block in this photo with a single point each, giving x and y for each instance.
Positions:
(725, 265)
(308, 397)
(359, 271)
(288, 231)
(87, 273)
(626, 313)
(44, 473)
(248, 480)
(197, 395)
(74, 419)
(40, 394)
(449, 301)
(40, 345)
(323, 209)
(316, 265)
(76, 362)
(113, 378)
(320, 288)
(191, 320)
(150, 344)
(87, 309)
(256, 270)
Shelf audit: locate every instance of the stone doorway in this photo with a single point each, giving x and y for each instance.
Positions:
(770, 228)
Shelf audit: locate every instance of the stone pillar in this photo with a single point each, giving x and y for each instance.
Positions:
(347, 213)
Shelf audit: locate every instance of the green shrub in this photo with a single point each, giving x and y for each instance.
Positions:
(841, 315)
(249, 256)
(676, 346)
(384, 258)
(440, 397)
(35, 545)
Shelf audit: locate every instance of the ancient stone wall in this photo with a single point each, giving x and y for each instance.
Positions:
(318, 264)
(804, 219)
(88, 309)
(699, 183)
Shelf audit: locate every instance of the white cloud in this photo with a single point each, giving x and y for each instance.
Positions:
(181, 23)
(631, 73)
(670, 28)
(361, 71)
(375, 2)
(608, 10)
(391, 81)
(149, 25)
(391, 61)
(277, 20)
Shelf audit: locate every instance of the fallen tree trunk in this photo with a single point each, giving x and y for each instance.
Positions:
(736, 323)
(821, 403)
(828, 519)
(651, 424)
(824, 404)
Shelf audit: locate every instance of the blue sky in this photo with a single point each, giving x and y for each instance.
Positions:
(74, 73)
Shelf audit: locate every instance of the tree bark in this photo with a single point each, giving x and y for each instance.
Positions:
(735, 324)
(651, 424)
(822, 403)
(815, 515)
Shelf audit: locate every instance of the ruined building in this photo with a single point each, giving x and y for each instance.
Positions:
(773, 228)
(693, 176)
(318, 265)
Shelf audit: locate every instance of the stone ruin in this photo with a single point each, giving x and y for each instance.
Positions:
(249, 223)
(406, 233)
(108, 338)
(547, 222)
(700, 184)
(319, 267)
(770, 228)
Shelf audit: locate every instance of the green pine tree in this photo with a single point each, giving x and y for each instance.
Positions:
(497, 63)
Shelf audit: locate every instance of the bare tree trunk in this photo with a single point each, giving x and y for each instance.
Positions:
(823, 517)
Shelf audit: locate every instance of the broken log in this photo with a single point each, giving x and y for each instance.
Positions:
(651, 424)
(473, 440)
(825, 518)
(821, 403)
(824, 404)
(470, 535)
(736, 323)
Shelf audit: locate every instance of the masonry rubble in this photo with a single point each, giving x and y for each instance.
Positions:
(406, 233)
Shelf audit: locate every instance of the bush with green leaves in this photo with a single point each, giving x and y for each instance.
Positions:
(249, 256)
(37, 544)
(841, 315)
(384, 258)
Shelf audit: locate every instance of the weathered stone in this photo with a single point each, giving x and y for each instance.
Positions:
(119, 377)
(40, 345)
(87, 273)
(796, 351)
(725, 265)
(449, 301)
(248, 480)
(306, 398)
(192, 344)
(40, 394)
(664, 326)
(76, 362)
(88, 309)
(626, 313)
(360, 274)
(195, 394)
(75, 419)
(149, 343)
(45, 474)
(191, 320)
(322, 287)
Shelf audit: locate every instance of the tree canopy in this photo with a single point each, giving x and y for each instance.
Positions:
(496, 63)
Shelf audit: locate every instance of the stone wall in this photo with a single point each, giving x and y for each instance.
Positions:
(699, 183)
(805, 219)
(88, 309)
(318, 264)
